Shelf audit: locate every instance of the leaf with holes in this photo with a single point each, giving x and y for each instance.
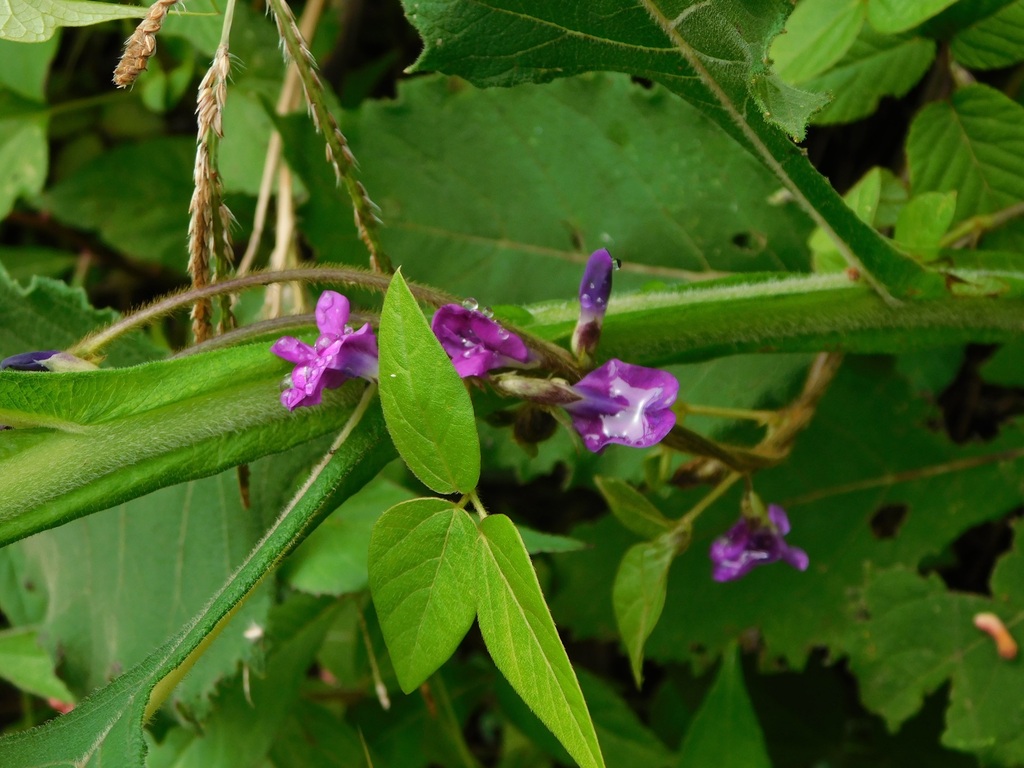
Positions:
(712, 54)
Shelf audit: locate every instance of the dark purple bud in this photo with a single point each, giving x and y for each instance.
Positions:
(595, 288)
(625, 404)
(476, 343)
(753, 542)
(28, 361)
(339, 354)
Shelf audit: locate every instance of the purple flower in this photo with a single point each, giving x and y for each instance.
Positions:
(338, 355)
(624, 404)
(28, 361)
(475, 343)
(595, 288)
(750, 543)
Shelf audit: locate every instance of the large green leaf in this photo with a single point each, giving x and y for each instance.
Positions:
(106, 728)
(32, 21)
(116, 591)
(24, 157)
(659, 185)
(522, 640)
(26, 67)
(87, 441)
(25, 664)
(428, 410)
(974, 144)
(423, 577)
(726, 710)
(714, 56)
(914, 635)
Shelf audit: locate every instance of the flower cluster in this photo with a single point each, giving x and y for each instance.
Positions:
(752, 542)
(616, 403)
(338, 355)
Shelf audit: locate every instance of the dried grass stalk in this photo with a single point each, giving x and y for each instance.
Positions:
(209, 222)
(141, 45)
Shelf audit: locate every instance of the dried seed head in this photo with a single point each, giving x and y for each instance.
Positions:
(141, 45)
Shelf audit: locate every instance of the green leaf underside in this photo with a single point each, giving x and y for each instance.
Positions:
(422, 578)
(115, 589)
(632, 508)
(428, 410)
(523, 642)
(973, 144)
(33, 21)
(662, 187)
(638, 595)
(106, 728)
(726, 709)
(711, 55)
(915, 635)
(94, 445)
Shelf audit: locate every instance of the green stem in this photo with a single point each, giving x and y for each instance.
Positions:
(685, 523)
(761, 417)
(92, 344)
(971, 228)
(791, 313)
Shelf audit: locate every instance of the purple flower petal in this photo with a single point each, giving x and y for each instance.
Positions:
(332, 311)
(338, 355)
(624, 404)
(475, 343)
(595, 288)
(28, 361)
(749, 544)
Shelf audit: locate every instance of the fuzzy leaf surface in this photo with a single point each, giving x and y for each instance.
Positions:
(713, 55)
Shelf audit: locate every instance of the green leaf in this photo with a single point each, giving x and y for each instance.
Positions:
(875, 66)
(713, 57)
(638, 595)
(923, 221)
(695, 203)
(632, 508)
(523, 642)
(251, 710)
(973, 144)
(818, 33)
(422, 578)
(915, 635)
(993, 42)
(428, 410)
(136, 196)
(33, 21)
(726, 709)
(333, 560)
(109, 609)
(24, 158)
(25, 664)
(86, 439)
(26, 67)
(892, 16)
(106, 728)
(864, 199)
(537, 542)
